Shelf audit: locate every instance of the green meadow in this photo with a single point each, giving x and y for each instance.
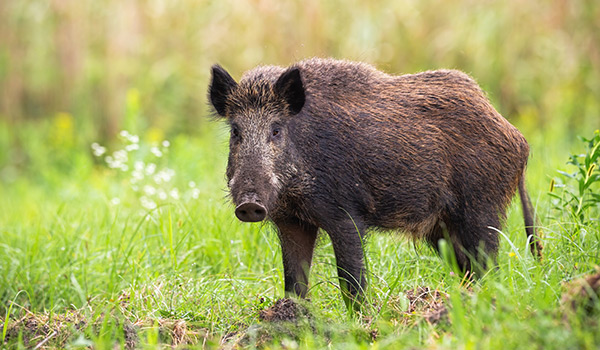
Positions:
(116, 230)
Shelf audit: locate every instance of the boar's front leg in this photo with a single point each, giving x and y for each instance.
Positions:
(346, 238)
(297, 240)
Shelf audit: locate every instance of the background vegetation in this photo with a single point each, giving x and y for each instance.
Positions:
(83, 236)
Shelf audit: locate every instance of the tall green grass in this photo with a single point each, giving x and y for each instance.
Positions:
(67, 245)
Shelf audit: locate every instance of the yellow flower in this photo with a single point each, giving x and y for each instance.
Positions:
(154, 135)
(133, 99)
(62, 132)
(63, 121)
(512, 254)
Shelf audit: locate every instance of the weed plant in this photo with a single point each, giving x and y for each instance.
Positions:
(578, 196)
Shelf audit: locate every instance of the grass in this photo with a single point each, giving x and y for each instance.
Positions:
(80, 269)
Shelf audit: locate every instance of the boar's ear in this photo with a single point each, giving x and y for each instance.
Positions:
(220, 87)
(290, 87)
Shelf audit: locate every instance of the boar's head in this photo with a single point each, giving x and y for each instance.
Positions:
(262, 158)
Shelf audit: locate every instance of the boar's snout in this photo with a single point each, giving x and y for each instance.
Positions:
(251, 211)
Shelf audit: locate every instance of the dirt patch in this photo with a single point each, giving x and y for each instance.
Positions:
(284, 310)
(40, 329)
(57, 330)
(421, 303)
(286, 320)
(430, 304)
(583, 295)
(130, 332)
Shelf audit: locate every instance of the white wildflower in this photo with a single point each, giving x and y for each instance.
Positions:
(120, 156)
(162, 195)
(166, 143)
(174, 193)
(124, 134)
(136, 176)
(149, 190)
(110, 161)
(156, 152)
(117, 160)
(147, 203)
(150, 169)
(164, 175)
(115, 201)
(138, 165)
(195, 193)
(132, 147)
(192, 184)
(134, 139)
(98, 150)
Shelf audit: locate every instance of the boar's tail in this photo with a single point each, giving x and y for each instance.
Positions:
(535, 244)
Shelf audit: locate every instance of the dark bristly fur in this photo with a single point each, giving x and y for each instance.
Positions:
(343, 147)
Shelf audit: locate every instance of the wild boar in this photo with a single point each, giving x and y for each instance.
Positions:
(340, 146)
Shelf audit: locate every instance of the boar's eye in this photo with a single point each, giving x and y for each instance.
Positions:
(276, 133)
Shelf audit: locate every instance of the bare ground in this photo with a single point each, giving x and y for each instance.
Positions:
(286, 318)
(42, 331)
(583, 296)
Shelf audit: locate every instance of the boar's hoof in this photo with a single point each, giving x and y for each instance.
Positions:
(250, 212)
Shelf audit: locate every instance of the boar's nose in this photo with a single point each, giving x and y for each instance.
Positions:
(250, 212)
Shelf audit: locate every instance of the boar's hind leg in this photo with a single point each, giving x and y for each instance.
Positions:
(472, 242)
(297, 245)
(476, 242)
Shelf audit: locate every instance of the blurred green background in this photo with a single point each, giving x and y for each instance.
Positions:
(538, 59)
(77, 71)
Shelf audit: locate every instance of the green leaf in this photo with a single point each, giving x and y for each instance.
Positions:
(564, 173)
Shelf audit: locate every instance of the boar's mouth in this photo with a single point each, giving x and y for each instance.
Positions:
(251, 209)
